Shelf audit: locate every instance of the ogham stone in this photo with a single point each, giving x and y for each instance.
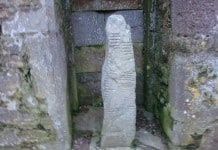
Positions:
(118, 85)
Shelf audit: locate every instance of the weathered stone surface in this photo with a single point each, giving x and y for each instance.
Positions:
(89, 89)
(93, 143)
(209, 140)
(33, 90)
(193, 16)
(23, 21)
(9, 8)
(88, 27)
(134, 18)
(9, 140)
(118, 85)
(120, 148)
(5, 11)
(90, 120)
(25, 5)
(89, 59)
(193, 100)
(10, 82)
(148, 141)
(95, 146)
(46, 55)
(79, 5)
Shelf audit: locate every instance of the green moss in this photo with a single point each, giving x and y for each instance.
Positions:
(98, 102)
(75, 100)
(85, 58)
(84, 95)
(166, 120)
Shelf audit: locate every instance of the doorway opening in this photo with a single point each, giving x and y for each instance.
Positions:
(87, 55)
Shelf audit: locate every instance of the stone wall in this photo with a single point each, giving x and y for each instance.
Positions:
(88, 28)
(194, 70)
(182, 71)
(33, 77)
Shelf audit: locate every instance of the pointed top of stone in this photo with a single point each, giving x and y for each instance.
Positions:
(116, 23)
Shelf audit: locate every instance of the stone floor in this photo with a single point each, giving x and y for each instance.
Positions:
(87, 129)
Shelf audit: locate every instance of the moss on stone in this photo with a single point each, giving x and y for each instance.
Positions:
(166, 120)
(89, 58)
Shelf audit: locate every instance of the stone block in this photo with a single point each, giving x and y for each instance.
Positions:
(81, 5)
(209, 140)
(23, 21)
(193, 100)
(118, 85)
(89, 88)
(34, 115)
(25, 5)
(193, 17)
(89, 27)
(90, 120)
(89, 59)
(6, 11)
(149, 141)
(9, 140)
(13, 117)
(10, 83)
(48, 69)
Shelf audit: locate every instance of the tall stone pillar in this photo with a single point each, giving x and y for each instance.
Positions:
(118, 85)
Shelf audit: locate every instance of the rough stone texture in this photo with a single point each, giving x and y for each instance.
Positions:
(193, 16)
(21, 24)
(9, 8)
(183, 60)
(95, 146)
(33, 111)
(193, 97)
(134, 18)
(89, 61)
(89, 27)
(118, 85)
(148, 141)
(81, 5)
(89, 89)
(189, 119)
(93, 143)
(90, 120)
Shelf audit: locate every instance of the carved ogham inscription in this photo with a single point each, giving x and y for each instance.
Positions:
(114, 40)
(118, 85)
